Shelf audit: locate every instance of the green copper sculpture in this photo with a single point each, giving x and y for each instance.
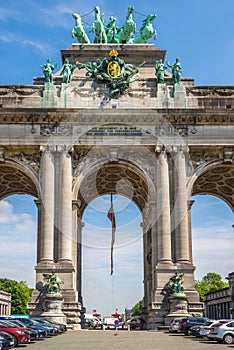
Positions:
(67, 71)
(126, 33)
(159, 70)
(98, 27)
(175, 284)
(110, 33)
(48, 69)
(112, 71)
(146, 31)
(53, 283)
(79, 31)
(176, 71)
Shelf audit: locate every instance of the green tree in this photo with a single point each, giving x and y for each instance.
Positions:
(209, 283)
(136, 310)
(20, 294)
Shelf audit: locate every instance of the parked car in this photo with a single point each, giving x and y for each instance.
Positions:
(28, 322)
(189, 322)
(206, 327)
(44, 322)
(6, 340)
(174, 325)
(32, 332)
(41, 333)
(93, 322)
(136, 322)
(20, 335)
(222, 332)
(62, 326)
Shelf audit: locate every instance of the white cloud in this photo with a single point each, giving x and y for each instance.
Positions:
(6, 213)
(9, 38)
(18, 244)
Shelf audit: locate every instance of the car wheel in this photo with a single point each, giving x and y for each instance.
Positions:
(15, 340)
(228, 339)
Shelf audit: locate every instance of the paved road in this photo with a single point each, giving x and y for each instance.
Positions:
(134, 340)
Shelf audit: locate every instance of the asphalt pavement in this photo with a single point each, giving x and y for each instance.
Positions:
(124, 340)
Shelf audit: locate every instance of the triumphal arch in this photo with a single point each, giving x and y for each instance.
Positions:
(116, 117)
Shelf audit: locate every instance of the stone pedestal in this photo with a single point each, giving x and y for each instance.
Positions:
(178, 306)
(53, 304)
(49, 97)
(179, 96)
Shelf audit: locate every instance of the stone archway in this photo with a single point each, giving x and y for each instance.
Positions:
(218, 180)
(13, 180)
(118, 177)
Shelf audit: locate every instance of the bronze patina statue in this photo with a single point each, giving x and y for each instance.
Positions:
(98, 27)
(175, 283)
(147, 31)
(67, 71)
(126, 33)
(112, 71)
(176, 71)
(53, 283)
(48, 69)
(78, 31)
(159, 70)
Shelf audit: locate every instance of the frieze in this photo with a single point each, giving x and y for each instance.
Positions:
(191, 118)
(55, 130)
(179, 130)
(211, 91)
(20, 91)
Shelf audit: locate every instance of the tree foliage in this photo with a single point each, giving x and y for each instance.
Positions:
(20, 294)
(136, 310)
(209, 283)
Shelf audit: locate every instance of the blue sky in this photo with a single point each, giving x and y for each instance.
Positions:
(200, 33)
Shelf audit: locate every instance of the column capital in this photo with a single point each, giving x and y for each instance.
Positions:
(180, 150)
(190, 203)
(76, 204)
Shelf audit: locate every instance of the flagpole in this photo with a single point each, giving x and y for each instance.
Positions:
(111, 216)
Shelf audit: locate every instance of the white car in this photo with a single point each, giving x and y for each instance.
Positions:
(206, 327)
(223, 333)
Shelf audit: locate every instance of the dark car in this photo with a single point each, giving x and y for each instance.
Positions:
(186, 324)
(62, 326)
(28, 323)
(195, 331)
(58, 327)
(136, 322)
(6, 340)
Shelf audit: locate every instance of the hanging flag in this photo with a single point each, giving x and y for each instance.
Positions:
(111, 217)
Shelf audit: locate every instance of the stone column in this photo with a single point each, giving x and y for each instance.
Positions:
(65, 208)
(47, 217)
(154, 239)
(180, 206)
(190, 203)
(39, 235)
(163, 209)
